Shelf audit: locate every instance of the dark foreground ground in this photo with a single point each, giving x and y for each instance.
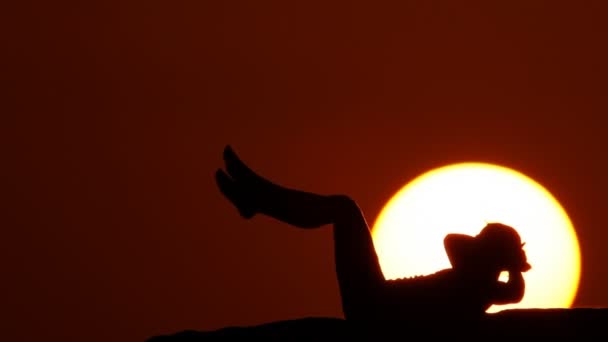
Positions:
(583, 323)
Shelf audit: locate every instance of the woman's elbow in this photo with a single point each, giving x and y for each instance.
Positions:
(517, 293)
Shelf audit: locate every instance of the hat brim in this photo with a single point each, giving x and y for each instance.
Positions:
(460, 249)
(463, 249)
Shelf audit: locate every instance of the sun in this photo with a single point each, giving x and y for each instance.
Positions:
(462, 198)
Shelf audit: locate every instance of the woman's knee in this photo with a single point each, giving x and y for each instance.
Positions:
(344, 205)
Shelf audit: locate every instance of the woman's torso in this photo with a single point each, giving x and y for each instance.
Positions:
(445, 294)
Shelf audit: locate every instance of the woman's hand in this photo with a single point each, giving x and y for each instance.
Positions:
(516, 261)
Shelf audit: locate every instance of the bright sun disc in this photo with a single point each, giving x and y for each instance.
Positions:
(462, 198)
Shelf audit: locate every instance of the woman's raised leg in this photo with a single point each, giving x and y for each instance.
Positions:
(359, 274)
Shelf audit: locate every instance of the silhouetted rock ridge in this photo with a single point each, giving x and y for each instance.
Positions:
(563, 323)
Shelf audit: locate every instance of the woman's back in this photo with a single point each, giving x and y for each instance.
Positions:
(444, 293)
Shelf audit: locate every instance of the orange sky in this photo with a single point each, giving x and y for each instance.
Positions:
(116, 115)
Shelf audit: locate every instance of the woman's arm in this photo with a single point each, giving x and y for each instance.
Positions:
(512, 291)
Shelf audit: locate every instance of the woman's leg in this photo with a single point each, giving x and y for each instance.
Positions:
(359, 275)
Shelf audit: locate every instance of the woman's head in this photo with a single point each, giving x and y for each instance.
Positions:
(503, 243)
(497, 247)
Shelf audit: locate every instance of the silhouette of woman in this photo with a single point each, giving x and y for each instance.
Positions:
(464, 291)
